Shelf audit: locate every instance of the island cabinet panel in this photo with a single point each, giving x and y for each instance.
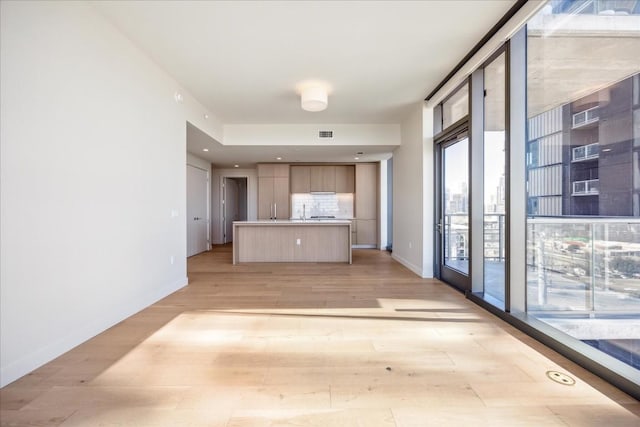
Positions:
(289, 241)
(345, 179)
(273, 191)
(323, 178)
(300, 179)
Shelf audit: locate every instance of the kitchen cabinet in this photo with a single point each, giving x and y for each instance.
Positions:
(323, 178)
(329, 178)
(300, 179)
(345, 179)
(366, 232)
(366, 204)
(366, 191)
(291, 241)
(273, 170)
(273, 191)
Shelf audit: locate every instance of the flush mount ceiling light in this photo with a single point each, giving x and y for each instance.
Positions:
(313, 94)
(313, 98)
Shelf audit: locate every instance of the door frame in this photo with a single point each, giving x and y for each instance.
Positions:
(452, 135)
(207, 207)
(222, 224)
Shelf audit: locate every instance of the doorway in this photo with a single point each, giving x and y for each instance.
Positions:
(453, 219)
(234, 205)
(197, 221)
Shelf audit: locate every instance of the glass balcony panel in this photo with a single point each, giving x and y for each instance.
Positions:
(557, 267)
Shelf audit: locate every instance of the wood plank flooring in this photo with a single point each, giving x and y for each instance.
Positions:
(369, 344)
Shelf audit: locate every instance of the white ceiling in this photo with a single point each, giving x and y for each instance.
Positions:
(244, 59)
(247, 156)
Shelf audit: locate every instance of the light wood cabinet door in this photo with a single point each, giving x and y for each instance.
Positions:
(265, 170)
(273, 169)
(366, 191)
(273, 197)
(328, 178)
(345, 179)
(323, 178)
(300, 179)
(281, 170)
(265, 197)
(315, 178)
(281, 197)
(366, 232)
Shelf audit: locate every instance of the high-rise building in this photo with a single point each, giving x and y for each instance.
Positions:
(584, 156)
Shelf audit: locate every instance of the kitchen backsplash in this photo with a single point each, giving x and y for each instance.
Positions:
(339, 205)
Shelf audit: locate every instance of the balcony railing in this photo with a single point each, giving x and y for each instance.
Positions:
(585, 117)
(586, 152)
(583, 265)
(585, 188)
(456, 237)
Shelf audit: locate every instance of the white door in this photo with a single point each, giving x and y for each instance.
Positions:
(196, 210)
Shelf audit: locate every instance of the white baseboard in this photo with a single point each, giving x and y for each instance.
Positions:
(407, 264)
(34, 360)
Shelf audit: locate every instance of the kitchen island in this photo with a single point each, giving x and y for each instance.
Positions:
(292, 241)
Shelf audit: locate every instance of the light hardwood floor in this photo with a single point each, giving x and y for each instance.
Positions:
(368, 344)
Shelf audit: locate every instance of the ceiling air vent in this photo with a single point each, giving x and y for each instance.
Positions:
(325, 134)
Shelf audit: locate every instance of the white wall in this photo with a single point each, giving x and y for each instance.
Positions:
(408, 182)
(216, 198)
(93, 177)
(292, 134)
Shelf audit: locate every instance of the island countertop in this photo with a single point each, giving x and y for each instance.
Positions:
(292, 240)
(295, 222)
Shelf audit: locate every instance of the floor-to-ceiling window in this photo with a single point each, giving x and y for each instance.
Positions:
(583, 173)
(554, 136)
(495, 183)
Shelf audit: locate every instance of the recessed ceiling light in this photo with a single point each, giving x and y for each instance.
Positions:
(205, 149)
(356, 158)
(178, 97)
(278, 158)
(606, 150)
(236, 166)
(206, 116)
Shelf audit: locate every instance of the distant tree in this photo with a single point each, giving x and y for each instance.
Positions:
(625, 264)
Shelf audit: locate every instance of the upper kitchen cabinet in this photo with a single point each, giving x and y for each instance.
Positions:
(273, 191)
(300, 179)
(345, 179)
(273, 170)
(323, 178)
